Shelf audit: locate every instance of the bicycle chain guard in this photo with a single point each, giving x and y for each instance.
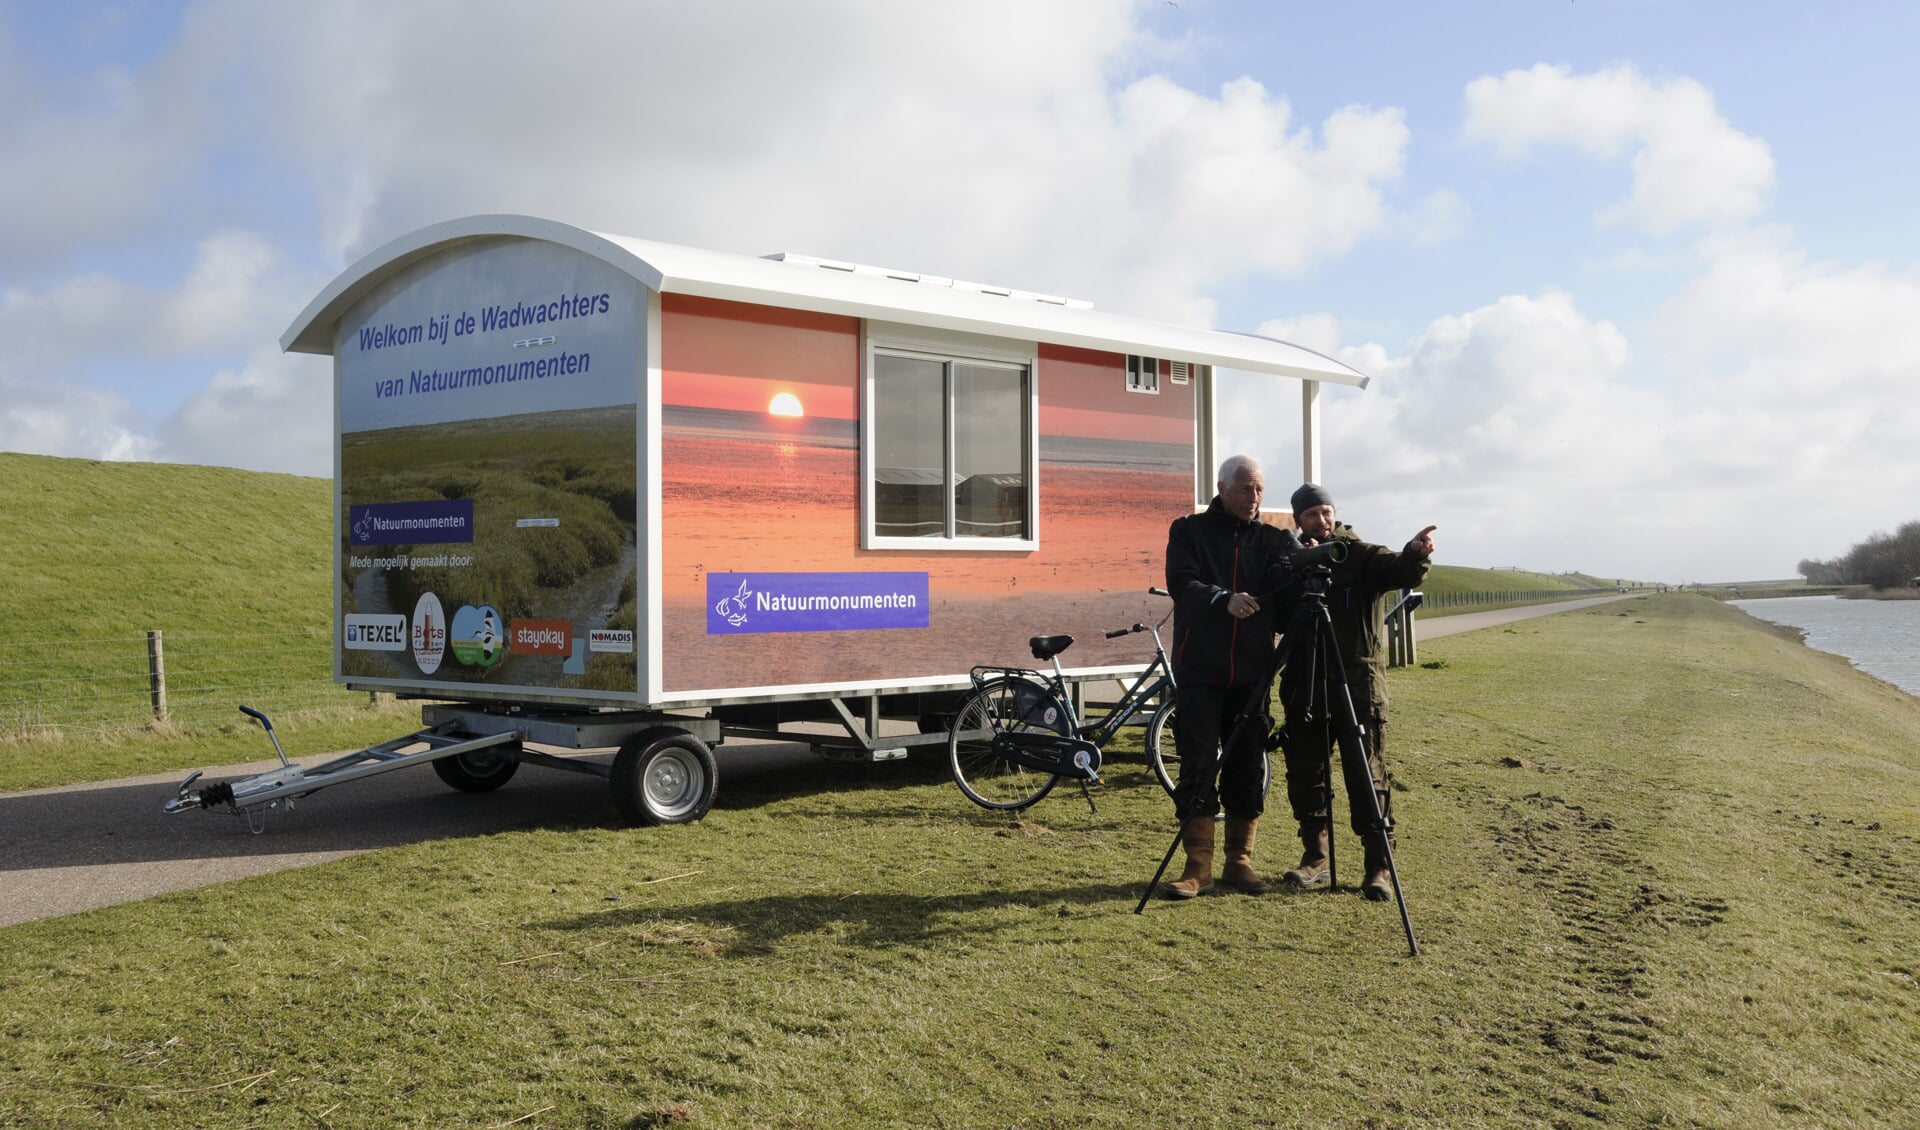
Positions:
(1049, 753)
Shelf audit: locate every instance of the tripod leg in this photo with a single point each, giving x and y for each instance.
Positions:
(1393, 872)
(1358, 773)
(1154, 883)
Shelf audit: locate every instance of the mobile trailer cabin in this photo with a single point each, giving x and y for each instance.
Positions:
(587, 481)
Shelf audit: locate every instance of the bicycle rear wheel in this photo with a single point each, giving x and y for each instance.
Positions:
(1163, 753)
(1002, 705)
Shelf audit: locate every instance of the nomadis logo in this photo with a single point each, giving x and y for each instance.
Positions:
(618, 641)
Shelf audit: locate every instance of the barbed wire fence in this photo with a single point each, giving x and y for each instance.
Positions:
(50, 688)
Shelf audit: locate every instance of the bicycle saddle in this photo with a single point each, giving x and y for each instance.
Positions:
(1046, 647)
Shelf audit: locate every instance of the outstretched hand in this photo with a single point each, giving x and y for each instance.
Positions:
(1422, 542)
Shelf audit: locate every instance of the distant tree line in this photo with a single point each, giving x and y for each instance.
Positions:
(1884, 561)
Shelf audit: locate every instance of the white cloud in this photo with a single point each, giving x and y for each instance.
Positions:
(1004, 154)
(986, 141)
(274, 414)
(1689, 165)
(50, 418)
(1806, 377)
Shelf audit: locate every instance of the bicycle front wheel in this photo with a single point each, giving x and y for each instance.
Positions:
(1002, 705)
(1163, 754)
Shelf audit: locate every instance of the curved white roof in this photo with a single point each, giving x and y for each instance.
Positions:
(829, 289)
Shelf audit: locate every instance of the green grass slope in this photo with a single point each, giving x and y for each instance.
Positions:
(1463, 578)
(231, 566)
(101, 550)
(1664, 863)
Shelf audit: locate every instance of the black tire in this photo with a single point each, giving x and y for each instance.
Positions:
(1163, 754)
(1003, 704)
(481, 771)
(664, 776)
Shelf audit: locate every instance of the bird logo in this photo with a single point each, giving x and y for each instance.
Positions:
(733, 609)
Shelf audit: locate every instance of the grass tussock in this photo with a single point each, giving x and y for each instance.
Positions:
(1662, 861)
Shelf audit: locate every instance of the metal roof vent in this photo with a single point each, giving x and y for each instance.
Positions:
(927, 280)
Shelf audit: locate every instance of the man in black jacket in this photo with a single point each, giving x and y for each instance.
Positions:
(1223, 640)
(1356, 607)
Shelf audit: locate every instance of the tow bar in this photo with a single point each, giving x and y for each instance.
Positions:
(284, 785)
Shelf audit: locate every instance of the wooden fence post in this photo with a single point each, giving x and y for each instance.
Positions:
(157, 675)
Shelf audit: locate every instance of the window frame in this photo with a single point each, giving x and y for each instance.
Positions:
(1138, 372)
(947, 347)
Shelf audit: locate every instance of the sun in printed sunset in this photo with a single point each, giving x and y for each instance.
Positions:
(785, 404)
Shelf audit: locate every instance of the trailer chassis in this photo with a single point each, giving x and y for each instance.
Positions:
(663, 770)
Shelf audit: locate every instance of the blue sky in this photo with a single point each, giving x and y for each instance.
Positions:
(1636, 281)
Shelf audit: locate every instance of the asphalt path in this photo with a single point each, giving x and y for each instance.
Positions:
(79, 847)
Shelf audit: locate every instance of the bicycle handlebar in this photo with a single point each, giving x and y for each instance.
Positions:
(1118, 632)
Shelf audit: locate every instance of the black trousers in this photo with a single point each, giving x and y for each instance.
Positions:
(1204, 716)
(1307, 745)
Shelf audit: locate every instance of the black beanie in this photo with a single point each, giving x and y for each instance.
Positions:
(1309, 496)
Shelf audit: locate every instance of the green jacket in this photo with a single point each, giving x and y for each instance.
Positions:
(1356, 606)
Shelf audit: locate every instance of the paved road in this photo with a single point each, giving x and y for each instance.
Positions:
(78, 847)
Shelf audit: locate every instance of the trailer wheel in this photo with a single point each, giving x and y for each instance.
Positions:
(481, 771)
(664, 776)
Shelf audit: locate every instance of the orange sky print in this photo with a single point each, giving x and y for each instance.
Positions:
(744, 491)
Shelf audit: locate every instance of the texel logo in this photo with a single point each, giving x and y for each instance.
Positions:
(479, 636)
(610, 639)
(432, 522)
(429, 636)
(740, 603)
(540, 637)
(364, 632)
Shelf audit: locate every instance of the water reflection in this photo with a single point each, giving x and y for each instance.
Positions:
(1881, 637)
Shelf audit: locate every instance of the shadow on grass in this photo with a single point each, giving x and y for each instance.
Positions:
(878, 920)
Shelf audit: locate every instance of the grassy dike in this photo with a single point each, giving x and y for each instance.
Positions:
(1662, 860)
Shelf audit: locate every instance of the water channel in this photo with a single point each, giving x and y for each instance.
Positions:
(1881, 637)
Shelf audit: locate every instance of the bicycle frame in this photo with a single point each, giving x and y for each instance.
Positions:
(1156, 680)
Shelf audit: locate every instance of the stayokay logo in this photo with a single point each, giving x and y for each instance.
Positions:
(429, 635)
(540, 637)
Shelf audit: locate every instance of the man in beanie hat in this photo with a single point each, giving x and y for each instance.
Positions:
(1356, 605)
(1222, 656)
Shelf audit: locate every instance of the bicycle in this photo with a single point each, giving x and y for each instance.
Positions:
(1016, 734)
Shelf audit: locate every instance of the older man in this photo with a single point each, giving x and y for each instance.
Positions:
(1356, 607)
(1217, 561)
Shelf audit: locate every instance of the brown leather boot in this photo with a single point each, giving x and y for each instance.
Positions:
(1314, 865)
(1197, 836)
(1379, 884)
(1238, 872)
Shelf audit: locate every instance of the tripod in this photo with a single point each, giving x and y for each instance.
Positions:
(1308, 648)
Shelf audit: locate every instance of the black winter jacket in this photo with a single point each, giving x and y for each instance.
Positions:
(1211, 556)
